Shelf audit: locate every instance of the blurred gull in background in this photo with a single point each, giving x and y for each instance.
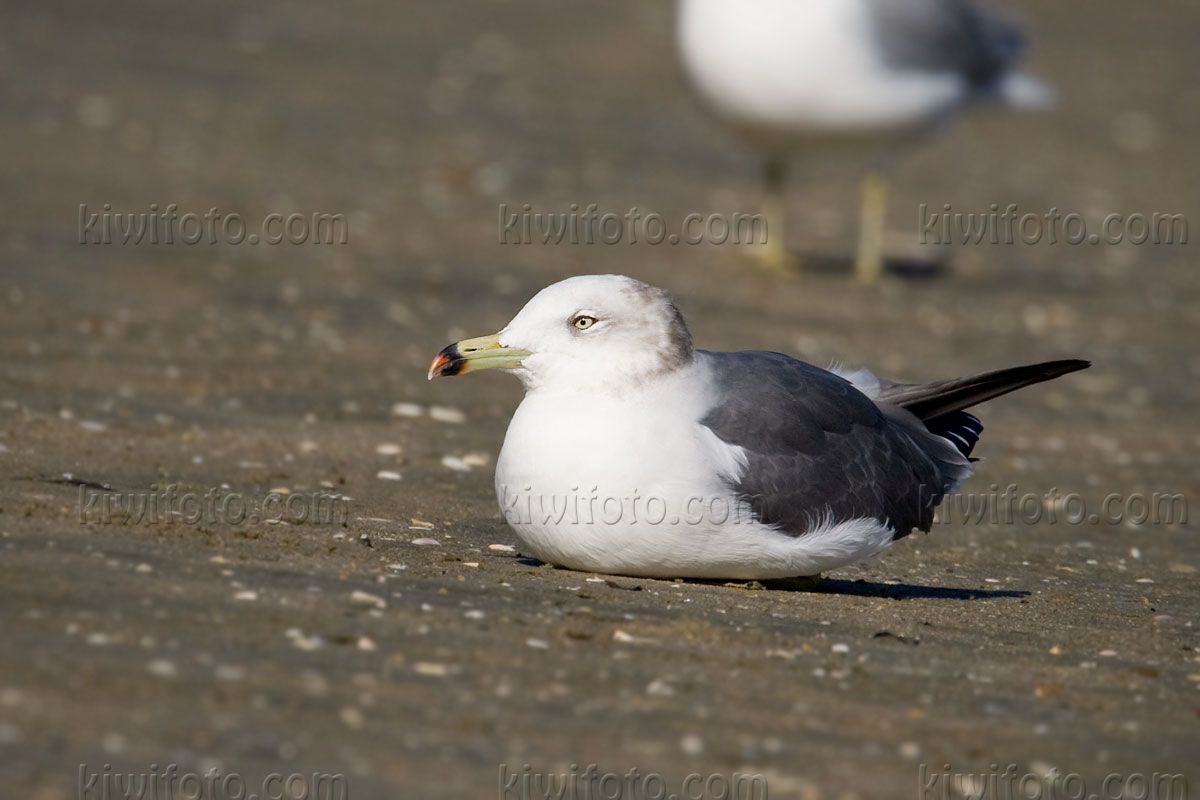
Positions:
(798, 76)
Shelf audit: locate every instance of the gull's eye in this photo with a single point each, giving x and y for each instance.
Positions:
(583, 322)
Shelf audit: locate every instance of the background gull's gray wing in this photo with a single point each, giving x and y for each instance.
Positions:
(817, 447)
(946, 36)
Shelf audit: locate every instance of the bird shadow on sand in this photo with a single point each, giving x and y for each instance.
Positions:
(840, 586)
(891, 591)
(897, 266)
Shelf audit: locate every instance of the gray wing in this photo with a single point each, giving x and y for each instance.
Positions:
(946, 36)
(817, 446)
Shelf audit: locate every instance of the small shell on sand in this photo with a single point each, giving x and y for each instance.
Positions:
(447, 414)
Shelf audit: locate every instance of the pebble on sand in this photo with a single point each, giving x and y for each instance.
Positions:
(455, 463)
(431, 669)
(447, 414)
(352, 718)
(476, 459)
(407, 410)
(466, 462)
(162, 668)
(366, 600)
(387, 475)
(302, 642)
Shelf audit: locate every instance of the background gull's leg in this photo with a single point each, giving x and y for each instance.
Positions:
(773, 255)
(869, 262)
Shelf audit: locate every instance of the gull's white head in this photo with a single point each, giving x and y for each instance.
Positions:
(590, 332)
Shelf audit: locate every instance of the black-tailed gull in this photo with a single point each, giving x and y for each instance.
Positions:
(634, 453)
(804, 75)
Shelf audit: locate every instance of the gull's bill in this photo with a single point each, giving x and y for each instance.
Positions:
(470, 355)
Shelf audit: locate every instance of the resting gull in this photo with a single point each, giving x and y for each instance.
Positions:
(796, 76)
(634, 453)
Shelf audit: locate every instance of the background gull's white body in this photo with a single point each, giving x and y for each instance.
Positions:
(782, 71)
(785, 72)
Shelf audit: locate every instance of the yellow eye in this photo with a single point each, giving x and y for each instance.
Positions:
(583, 322)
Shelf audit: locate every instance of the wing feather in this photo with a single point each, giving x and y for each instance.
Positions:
(818, 448)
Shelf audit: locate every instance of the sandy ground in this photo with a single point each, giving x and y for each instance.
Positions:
(421, 670)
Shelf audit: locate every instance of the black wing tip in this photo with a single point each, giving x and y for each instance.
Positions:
(1065, 366)
(1048, 370)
